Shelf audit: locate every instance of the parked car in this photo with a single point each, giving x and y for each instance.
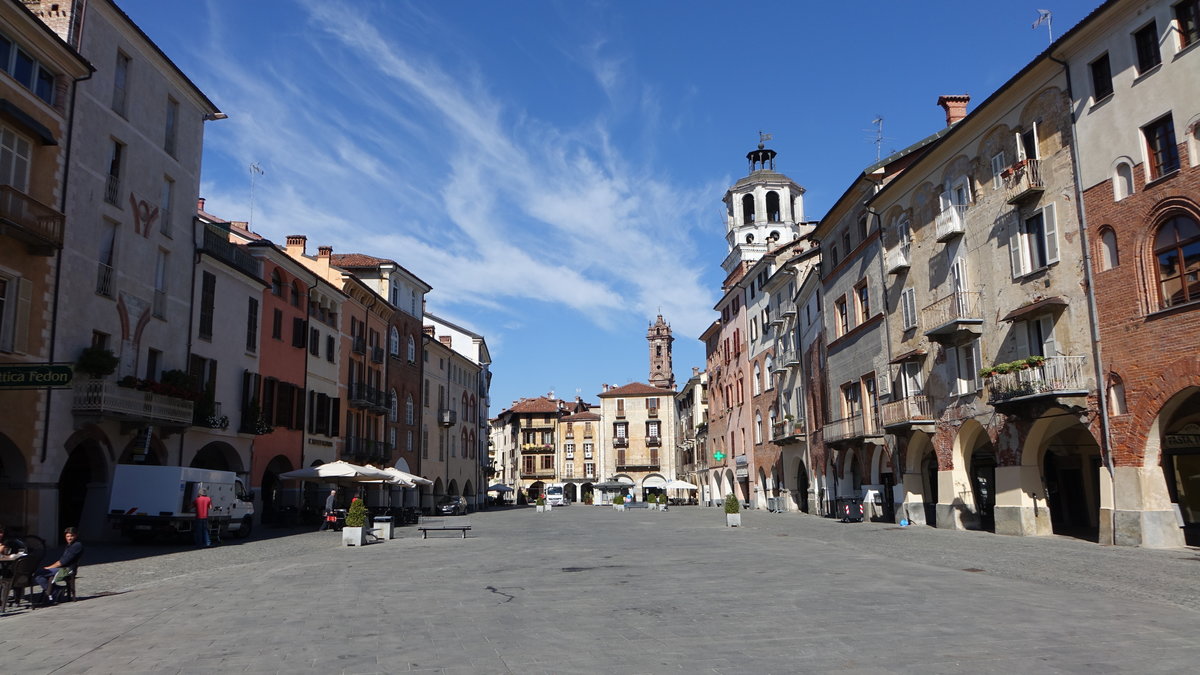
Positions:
(452, 506)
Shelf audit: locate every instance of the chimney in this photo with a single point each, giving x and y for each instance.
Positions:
(323, 260)
(955, 106)
(200, 204)
(445, 339)
(604, 387)
(297, 244)
(695, 371)
(429, 330)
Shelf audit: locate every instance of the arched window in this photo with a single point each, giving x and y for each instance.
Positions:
(393, 406)
(1108, 249)
(1177, 252)
(747, 209)
(276, 282)
(757, 380)
(1116, 395)
(409, 415)
(412, 350)
(394, 342)
(296, 293)
(758, 431)
(773, 213)
(471, 446)
(1122, 181)
(773, 416)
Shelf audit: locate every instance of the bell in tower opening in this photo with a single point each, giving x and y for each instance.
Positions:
(660, 339)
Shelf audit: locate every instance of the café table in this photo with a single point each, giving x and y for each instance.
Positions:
(6, 578)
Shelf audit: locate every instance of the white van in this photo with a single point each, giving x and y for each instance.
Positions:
(554, 495)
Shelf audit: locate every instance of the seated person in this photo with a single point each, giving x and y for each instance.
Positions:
(68, 561)
(10, 545)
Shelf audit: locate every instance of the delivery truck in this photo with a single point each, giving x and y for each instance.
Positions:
(156, 501)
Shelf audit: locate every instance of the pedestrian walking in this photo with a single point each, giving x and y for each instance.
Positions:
(330, 517)
(202, 503)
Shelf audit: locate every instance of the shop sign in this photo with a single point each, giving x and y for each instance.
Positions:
(35, 375)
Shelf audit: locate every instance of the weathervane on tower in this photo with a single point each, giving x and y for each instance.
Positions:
(763, 138)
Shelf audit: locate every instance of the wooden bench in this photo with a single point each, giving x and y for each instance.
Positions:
(428, 525)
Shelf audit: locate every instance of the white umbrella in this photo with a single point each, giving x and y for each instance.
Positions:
(499, 487)
(336, 472)
(680, 485)
(408, 477)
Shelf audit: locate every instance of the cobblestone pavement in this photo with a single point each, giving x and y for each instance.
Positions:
(589, 590)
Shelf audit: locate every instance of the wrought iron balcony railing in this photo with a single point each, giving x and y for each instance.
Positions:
(25, 218)
(1056, 376)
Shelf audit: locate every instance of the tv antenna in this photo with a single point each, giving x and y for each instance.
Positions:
(879, 137)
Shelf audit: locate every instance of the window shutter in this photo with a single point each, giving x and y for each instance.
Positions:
(1021, 333)
(1014, 248)
(20, 336)
(1049, 346)
(1051, 230)
(952, 361)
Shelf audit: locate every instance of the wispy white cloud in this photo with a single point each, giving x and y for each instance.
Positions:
(487, 202)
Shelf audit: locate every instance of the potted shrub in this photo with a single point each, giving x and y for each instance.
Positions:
(733, 511)
(619, 502)
(541, 504)
(97, 362)
(355, 531)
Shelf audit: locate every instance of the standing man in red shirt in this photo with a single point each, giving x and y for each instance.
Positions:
(203, 503)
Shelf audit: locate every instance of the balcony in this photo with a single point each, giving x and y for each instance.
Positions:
(587, 456)
(217, 245)
(951, 223)
(1023, 180)
(897, 260)
(620, 442)
(377, 354)
(654, 466)
(103, 398)
(908, 411)
(569, 455)
(447, 417)
(37, 225)
(536, 447)
(845, 428)
(104, 280)
(358, 344)
(112, 189)
(365, 396)
(789, 311)
(778, 366)
(1056, 376)
(955, 312)
(654, 441)
(365, 449)
(782, 431)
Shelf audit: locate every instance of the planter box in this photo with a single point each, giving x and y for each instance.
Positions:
(733, 520)
(354, 536)
(541, 507)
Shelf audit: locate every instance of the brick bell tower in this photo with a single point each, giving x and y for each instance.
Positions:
(659, 337)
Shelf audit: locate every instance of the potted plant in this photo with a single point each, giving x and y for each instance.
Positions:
(541, 504)
(97, 362)
(619, 502)
(733, 511)
(355, 531)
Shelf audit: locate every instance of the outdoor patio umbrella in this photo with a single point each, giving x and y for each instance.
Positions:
(498, 487)
(680, 485)
(410, 477)
(339, 472)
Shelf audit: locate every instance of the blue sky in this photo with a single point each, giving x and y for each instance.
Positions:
(555, 169)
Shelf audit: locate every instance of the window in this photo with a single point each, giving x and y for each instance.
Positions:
(297, 293)
(277, 324)
(1116, 396)
(26, 70)
(299, 332)
(862, 302)
(1187, 13)
(753, 330)
(314, 342)
(769, 367)
(14, 159)
(120, 82)
(394, 341)
(547, 462)
(1177, 251)
(393, 406)
(159, 306)
(843, 317)
(966, 367)
(409, 410)
(16, 297)
(208, 294)
(850, 400)
(172, 120)
(164, 204)
(758, 430)
(1108, 249)
(412, 350)
(1145, 42)
(908, 380)
(1101, 73)
(908, 308)
(589, 469)
(1035, 337)
(1033, 242)
(998, 168)
(1162, 154)
(757, 380)
(330, 347)
(112, 188)
(1027, 143)
(252, 325)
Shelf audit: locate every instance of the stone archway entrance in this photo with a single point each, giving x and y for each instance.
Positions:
(802, 487)
(82, 490)
(1071, 471)
(218, 456)
(1180, 462)
(929, 485)
(271, 488)
(983, 485)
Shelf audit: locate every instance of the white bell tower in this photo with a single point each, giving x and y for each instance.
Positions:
(762, 211)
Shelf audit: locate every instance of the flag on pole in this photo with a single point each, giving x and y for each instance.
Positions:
(1043, 17)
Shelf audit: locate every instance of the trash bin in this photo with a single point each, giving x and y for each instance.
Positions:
(384, 525)
(850, 509)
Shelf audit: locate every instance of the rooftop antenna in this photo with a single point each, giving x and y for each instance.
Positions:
(1044, 17)
(255, 171)
(879, 137)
